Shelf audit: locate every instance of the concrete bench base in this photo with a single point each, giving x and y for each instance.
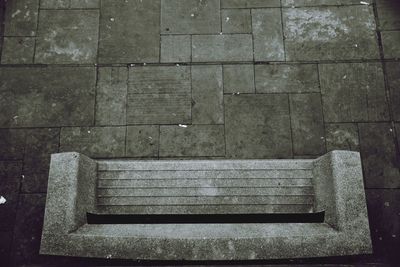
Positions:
(76, 187)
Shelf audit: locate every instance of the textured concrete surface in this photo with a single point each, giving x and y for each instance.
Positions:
(338, 54)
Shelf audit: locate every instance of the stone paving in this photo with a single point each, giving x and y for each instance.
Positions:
(196, 79)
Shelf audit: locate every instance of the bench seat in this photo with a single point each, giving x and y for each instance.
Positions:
(331, 184)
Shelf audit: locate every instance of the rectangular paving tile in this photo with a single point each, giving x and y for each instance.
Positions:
(10, 178)
(12, 144)
(97, 142)
(216, 48)
(249, 3)
(129, 31)
(353, 92)
(342, 136)
(390, 43)
(388, 16)
(190, 16)
(192, 141)
(40, 144)
(62, 4)
(6, 238)
(21, 18)
(383, 210)
(379, 155)
(159, 95)
(236, 21)
(330, 33)
(207, 95)
(268, 36)
(281, 78)
(296, 3)
(142, 141)
(239, 78)
(18, 50)
(257, 126)
(393, 77)
(32, 97)
(111, 92)
(67, 36)
(307, 124)
(176, 48)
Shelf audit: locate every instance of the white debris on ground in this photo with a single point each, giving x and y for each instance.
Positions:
(2, 200)
(182, 125)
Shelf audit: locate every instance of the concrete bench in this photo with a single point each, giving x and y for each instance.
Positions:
(206, 210)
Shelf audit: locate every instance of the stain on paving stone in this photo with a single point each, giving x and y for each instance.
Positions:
(21, 18)
(236, 21)
(67, 36)
(329, 33)
(18, 50)
(353, 92)
(257, 126)
(393, 76)
(281, 78)
(96, 142)
(379, 156)
(159, 95)
(192, 141)
(342, 136)
(129, 31)
(31, 97)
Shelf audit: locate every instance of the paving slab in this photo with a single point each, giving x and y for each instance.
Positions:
(379, 155)
(268, 35)
(190, 16)
(383, 209)
(393, 77)
(390, 41)
(159, 95)
(239, 78)
(62, 4)
(222, 47)
(388, 16)
(279, 78)
(297, 3)
(176, 48)
(330, 33)
(192, 141)
(307, 124)
(97, 142)
(142, 141)
(249, 3)
(12, 144)
(257, 126)
(67, 36)
(5, 246)
(40, 144)
(31, 97)
(353, 92)
(18, 50)
(236, 20)
(28, 228)
(10, 178)
(21, 18)
(207, 95)
(342, 136)
(111, 92)
(129, 31)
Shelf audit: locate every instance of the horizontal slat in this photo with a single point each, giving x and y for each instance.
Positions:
(201, 182)
(216, 209)
(204, 191)
(206, 200)
(205, 174)
(204, 165)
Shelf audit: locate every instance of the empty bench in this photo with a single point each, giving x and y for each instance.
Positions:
(206, 210)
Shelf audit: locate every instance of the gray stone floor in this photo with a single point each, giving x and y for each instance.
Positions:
(249, 79)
